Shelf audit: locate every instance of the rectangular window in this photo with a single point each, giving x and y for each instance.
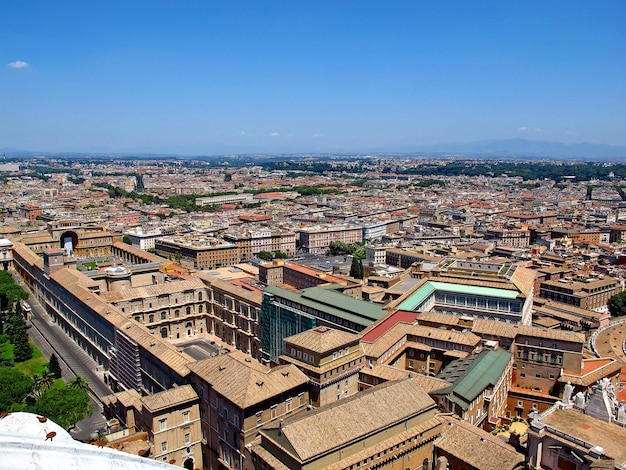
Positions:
(273, 412)
(164, 446)
(288, 404)
(259, 420)
(162, 424)
(185, 416)
(187, 438)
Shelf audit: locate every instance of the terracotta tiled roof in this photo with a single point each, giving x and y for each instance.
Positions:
(313, 433)
(322, 339)
(477, 448)
(244, 381)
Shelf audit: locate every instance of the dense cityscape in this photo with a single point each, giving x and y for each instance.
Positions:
(317, 311)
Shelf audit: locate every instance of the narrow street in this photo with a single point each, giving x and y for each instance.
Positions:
(50, 338)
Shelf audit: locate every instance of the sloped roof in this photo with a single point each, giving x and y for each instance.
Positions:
(170, 398)
(360, 312)
(247, 383)
(311, 434)
(477, 448)
(390, 373)
(77, 284)
(470, 376)
(153, 290)
(322, 339)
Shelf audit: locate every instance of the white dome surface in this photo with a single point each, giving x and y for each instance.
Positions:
(23, 446)
(29, 424)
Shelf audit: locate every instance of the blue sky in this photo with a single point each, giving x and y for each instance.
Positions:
(308, 76)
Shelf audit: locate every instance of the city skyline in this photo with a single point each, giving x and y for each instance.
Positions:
(309, 77)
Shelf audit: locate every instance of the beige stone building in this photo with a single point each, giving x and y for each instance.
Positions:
(198, 252)
(417, 348)
(590, 293)
(330, 358)
(317, 239)
(391, 426)
(233, 310)
(252, 242)
(541, 356)
(237, 397)
(173, 310)
(170, 418)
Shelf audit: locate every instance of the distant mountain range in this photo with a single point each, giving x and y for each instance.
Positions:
(509, 148)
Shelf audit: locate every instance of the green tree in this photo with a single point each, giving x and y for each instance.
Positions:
(23, 350)
(54, 366)
(265, 255)
(617, 305)
(280, 255)
(337, 248)
(126, 239)
(43, 382)
(15, 330)
(356, 269)
(65, 406)
(80, 383)
(14, 387)
(12, 326)
(10, 293)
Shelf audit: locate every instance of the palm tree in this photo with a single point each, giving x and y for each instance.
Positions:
(42, 382)
(80, 383)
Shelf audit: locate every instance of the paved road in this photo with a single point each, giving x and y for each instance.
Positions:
(50, 338)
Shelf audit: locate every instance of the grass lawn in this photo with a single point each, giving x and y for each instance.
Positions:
(34, 365)
(6, 350)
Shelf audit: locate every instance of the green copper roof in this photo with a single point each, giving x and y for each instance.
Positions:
(472, 375)
(328, 300)
(429, 287)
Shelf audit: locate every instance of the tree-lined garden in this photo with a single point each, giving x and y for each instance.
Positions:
(28, 381)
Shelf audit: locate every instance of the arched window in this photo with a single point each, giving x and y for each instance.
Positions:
(188, 310)
(163, 315)
(176, 313)
(163, 332)
(199, 295)
(150, 318)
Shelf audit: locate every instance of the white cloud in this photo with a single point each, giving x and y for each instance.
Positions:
(274, 134)
(529, 129)
(316, 135)
(243, 133)
(18, 64)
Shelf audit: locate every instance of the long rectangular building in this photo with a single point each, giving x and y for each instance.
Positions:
(285, 313)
